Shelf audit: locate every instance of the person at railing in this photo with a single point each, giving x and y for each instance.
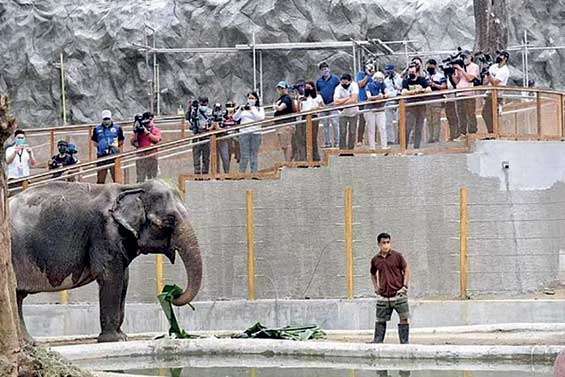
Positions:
(363, 79)
(437, 82)
(65, 157)
(326, 85)
(108, 137)
(309, 102)
(415, 114)
(284, 106)
(146, 134)
(451, 110)
(200, 119)
(376, 117)
(347, 93)
(497, 75)
(393, 86)
(19, 157)
(227, 147)
(465, 77)
(250, 139)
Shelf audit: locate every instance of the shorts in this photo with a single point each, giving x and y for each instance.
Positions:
(385, 306)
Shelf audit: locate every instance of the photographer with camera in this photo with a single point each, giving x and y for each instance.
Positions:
(221, 120)
(146, 134)
(284, 105)
(250, 139)
(437, 82)
(414, 84)
(108, 137)
(466, 75)
(65, 157)
(497, 75)
(19, 157)
(393, 87)
(363, 79)
(200, 118)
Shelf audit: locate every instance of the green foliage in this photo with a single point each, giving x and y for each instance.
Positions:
(168, 294)
(299, 333)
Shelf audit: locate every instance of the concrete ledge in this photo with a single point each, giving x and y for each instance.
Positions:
(172, 347)
(351, 315)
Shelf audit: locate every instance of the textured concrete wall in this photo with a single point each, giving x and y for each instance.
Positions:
(514, 245)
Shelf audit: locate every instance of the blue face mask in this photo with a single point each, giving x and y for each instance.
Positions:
(20, 142)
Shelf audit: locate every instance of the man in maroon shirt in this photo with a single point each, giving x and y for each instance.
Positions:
(390, 275)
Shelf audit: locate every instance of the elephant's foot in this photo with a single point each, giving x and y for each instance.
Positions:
(112, 336)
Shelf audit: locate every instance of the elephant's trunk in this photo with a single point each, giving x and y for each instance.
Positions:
(185, 242)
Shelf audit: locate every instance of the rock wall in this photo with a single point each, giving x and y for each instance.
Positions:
(104, 68)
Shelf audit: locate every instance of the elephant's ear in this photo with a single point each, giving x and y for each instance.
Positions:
(128, 211)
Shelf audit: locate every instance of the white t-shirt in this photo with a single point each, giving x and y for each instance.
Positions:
(256, 114)
(500, 73)
(312, 103)
(20, 167)
(340, 93)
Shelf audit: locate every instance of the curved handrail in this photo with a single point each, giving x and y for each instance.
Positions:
(281, 122)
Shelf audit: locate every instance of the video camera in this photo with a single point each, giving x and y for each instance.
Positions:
(218, 114)
(196, 113)
(485, 61)
(448, 66)
(141, 122)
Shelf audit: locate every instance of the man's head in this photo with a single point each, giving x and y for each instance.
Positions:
(20, 137)
(379, 76)
(62, 146)
(389, 70)
(203, 101)
(369, 69)
(418, 61)
(502, 57)
(324, 69)
(282, 88)
(412, 71)
(383, 240)
(467, 57)
(345, 80)
(106, 118)
(431, 66)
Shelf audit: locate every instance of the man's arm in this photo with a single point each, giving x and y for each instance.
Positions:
(154, 135)
(493, 80)
(467, 75)
(353, 98)
(10, 155)
(375, 279)
(407, 274)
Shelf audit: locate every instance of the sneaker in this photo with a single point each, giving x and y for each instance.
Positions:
(461, 138)
(418, 154)
(387, 147)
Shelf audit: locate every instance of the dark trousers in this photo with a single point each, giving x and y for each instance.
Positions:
(103, 173)
(452, 120)
(415, 116)
(224, 155)
(347, 131)
(487, 113)
(300, 141)
(466, 112)
(146, 168)
(201, 157)
(361, 127)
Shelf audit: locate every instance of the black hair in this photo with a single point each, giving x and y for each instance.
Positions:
(323, 65)
(254, 94)
(383, 236)
(431, 62)
(313, 85)
(19, 132)
(346, 76)
(203, 100)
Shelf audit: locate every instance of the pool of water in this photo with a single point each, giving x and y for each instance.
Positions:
(265, 366)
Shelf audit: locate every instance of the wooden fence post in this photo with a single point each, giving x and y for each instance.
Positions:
(349, 266)
(251, 293)
(402, 126)
(463, 243)
(183, 128)
(213, 156)
(494, 104)
(90, 144)
(64, 297)
(309, 139)
(119, 173)
(159, 273)
(51, 143)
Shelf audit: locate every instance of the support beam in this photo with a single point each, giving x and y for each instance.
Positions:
(349, 266)
(159, 273)
(463, 243)
(402, 125)
(309, 139)
(251, 293)
(119, 173)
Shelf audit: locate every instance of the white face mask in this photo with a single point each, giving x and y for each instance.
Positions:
(252, 102)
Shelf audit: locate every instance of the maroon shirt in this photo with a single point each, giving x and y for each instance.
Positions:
(391, 272)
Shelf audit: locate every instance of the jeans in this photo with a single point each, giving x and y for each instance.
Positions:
(201, 157)
(487, 113)
(300, 141)
(376, 120)
(347, 131)
(224, 155)
(415, 116)
(390, 120)
(101, 174)
(466, 109)
(249, 148)
(146, 168)
(361, 127)
(331, 129)
(452, 120)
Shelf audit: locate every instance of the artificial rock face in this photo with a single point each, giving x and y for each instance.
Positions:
(104, 68)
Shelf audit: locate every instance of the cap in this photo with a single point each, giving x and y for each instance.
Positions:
(62, 142)
(282, 84)
(504, 53)
(389, 67)
(106, 114)
(323, 65)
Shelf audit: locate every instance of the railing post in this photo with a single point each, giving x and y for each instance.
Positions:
(309, 139)
(159, 273)
(463, 239)
(251, 294)
(213, 156)
(51, 143)
(90, 144)
(561, 116)
(25, 185)
(494, 104)
(64, 297)
(538, 115)
(183, 128)
(349, 241)
(119, 174)
(402, 125)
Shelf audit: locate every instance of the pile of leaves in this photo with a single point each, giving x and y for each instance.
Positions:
(168, 294)
(299, 333)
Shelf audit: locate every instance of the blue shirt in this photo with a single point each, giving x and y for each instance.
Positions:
(375, 88)
(360, 76)
(326, 88)
(107, 139)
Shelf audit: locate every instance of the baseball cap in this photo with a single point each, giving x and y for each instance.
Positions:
(323, 65)
(282, 84)
(389, 67)
(106, 114)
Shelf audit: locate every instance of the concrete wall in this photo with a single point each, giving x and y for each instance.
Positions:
(515, 236)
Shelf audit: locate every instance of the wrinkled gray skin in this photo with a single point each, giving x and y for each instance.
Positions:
(66, 235)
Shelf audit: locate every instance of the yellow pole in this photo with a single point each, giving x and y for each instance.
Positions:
(538, 112)
(51, 143)
(561, 121)
(251, 294)
(159, 273)
(309, 139)
(349, 241)
(63, 95)
(402, 126)
(463, 238)
(64, 297)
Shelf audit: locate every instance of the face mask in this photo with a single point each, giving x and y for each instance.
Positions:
(412, 76)
(252, 102)
(345, 86)
(62, 150)
(308, 92)
(107, 122)
(498, 59)
(203, 108)
(20, 142)
(431, 71)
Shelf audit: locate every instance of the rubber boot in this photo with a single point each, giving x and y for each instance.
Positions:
(403, 331)
(380, 331)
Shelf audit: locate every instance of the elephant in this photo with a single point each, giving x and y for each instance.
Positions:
(69, 234)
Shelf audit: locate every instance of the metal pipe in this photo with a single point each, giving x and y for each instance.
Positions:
(354, 60)
(406, 53)
(261, 76)
(154, 73)
(63, 96)
(158, 89)
(526, 62)
(254, 64)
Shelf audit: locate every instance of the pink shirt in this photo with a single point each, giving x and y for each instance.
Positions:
(144, 141)
(472, 69)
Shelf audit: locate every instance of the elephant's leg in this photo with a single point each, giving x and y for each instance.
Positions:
(111, 290)
(25, 335)
(123, 302)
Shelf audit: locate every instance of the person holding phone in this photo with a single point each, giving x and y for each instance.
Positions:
(19, 157)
